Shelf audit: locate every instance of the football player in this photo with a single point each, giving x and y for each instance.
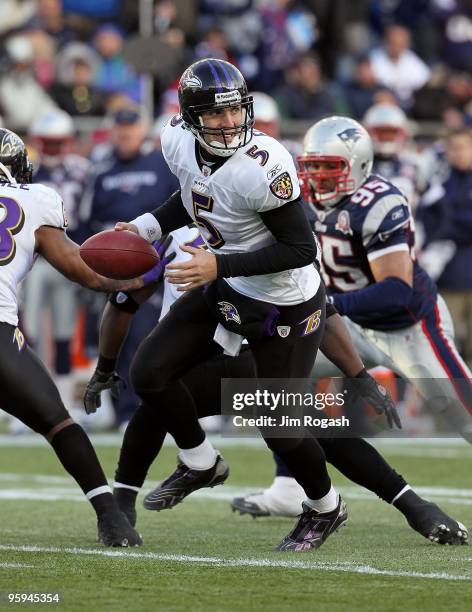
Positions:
(391, 306)
(389, 129)
(242, 191)
(32, 222)
(353, 457)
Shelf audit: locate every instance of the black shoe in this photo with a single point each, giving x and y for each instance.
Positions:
(313, 528)
(184, 481)
(114, 530)
(432, 523)
(244, 505)
(127, 504)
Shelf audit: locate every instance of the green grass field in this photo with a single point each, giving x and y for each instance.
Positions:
(200, 556)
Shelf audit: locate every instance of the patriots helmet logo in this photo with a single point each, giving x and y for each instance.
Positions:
(350, 136)
(229, 311)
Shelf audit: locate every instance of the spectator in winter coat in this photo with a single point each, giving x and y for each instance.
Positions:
(446, 216)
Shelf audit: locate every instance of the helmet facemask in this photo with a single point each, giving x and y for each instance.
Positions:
(324, 179)
(230, 138)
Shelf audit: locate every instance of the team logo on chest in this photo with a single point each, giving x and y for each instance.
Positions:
(206, 171)
(282, 186)
(230, 312)
(343, 224)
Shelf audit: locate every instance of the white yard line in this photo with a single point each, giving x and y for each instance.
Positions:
(241, 562)
(461, 497)
(115, 439)
(14, 565)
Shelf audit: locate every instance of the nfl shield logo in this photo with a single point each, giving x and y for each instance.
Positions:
(283, 330)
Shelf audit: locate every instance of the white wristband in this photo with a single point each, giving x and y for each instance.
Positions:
(148, 227)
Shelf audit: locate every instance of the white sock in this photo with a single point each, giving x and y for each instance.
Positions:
(98, 491)
(202, 457)
(398, 495)
(326, 503)
(120, 485)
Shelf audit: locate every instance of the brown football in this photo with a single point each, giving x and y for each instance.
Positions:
(119, 255)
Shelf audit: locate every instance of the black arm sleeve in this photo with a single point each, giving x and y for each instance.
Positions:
(172, 214)
(294, 247)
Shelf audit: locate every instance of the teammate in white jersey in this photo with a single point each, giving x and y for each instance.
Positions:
(32, 221)
(241, 189)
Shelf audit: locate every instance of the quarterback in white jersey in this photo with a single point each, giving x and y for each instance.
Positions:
(32, 222)
(226, 204)
(256, 280)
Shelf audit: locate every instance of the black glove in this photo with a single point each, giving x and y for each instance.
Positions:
(378, 397)
(98, 383)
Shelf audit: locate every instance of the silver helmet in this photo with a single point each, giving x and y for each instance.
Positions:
(52, 134)
(388, 127)
(337, 158)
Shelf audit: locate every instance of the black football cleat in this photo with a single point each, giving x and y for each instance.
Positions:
(313, 528)
(435, 525)
(184, 481)
(114, 530)
(244, 505)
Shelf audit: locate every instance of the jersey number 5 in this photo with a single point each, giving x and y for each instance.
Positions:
(12, 220)
(203, 203)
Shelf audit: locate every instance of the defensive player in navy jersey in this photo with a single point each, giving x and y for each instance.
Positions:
(394, 158)
(391, 306)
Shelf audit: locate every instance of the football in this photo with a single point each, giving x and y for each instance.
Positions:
(119, 255)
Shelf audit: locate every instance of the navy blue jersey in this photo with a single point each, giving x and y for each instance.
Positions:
(372, 222)
(122, 190)
(407, 171)
(68, 179)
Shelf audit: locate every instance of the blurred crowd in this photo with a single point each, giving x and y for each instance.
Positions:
(86, 57)
(392, 64)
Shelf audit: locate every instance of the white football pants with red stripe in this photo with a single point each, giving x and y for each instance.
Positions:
(426, 355)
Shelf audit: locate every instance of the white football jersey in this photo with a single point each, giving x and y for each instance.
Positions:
(23, 209)
(225, 204)
(184, 235)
